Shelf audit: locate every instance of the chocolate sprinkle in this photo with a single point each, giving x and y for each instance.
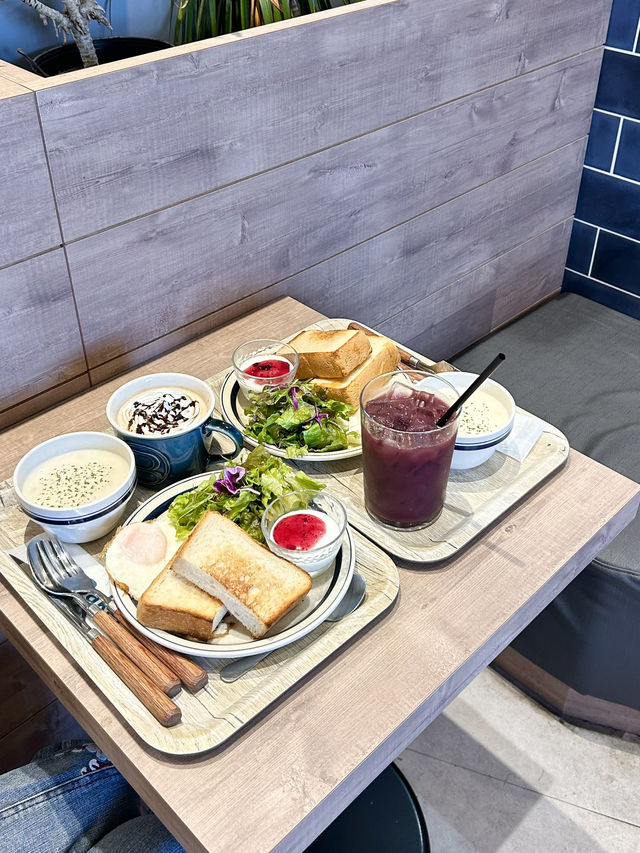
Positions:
(163, 414)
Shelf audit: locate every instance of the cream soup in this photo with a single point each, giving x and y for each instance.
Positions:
(161, 411)
(481, 414)
(76, 478)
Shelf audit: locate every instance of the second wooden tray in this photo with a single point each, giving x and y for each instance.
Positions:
(475, 500)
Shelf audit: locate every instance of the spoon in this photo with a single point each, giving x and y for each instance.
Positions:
(351, 601)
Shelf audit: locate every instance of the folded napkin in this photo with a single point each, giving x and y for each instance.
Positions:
(86, 562)
(526, 431)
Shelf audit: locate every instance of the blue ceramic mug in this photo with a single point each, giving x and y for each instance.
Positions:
(165, 418)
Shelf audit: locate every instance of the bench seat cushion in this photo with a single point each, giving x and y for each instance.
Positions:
(576, 364)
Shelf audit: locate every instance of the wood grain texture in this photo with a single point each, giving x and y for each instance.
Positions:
(461, 313)
(388, 274)
(41, 341)
(197, 121)
(445, 322)
(191, 674)
(323, 743)
(134, 649)
(15, 74)
(43, 400)
(29, 221)
(265, 236)
(10, 88)
(202, 357)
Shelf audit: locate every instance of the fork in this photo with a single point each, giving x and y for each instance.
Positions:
(65, 585)
(155, 700)
(69, 576)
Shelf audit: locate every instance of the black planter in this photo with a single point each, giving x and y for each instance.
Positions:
(57, 60)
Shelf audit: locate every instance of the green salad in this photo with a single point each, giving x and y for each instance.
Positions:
(299, 418)
(241, 492)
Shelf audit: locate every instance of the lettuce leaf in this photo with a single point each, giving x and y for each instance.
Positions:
(298, 418)
(266, 478)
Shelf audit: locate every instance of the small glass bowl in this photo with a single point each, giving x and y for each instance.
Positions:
(263, 350)
(318, 558)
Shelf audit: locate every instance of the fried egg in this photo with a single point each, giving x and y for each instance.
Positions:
(139, 552)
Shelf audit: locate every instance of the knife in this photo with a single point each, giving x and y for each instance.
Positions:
(158, 672)
(194, 677)
(166, 712)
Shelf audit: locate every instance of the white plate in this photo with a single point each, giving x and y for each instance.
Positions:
(234, 402)
(326, 592)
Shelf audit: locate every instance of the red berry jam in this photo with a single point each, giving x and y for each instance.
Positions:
(299, 531)
(268, 368)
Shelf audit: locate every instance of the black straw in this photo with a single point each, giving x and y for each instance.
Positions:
(462, 399)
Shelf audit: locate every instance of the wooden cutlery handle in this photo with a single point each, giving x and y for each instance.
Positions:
(157, 672)
(192, 676)
(158, 703)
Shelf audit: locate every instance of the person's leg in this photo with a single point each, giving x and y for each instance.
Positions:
(66, 799)
(141, 835)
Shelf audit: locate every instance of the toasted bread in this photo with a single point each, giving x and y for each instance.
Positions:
(256, 586)
(173, 604)
(331, 354)
(384, 357)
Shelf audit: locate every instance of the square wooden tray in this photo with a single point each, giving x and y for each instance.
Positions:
(219, 711)
(475, 500)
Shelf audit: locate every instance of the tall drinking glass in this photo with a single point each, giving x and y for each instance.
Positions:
(406, 457)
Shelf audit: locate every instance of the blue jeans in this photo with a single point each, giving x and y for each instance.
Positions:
(71, 798)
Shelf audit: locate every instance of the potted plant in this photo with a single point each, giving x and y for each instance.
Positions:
(201, 19)
(73, 20)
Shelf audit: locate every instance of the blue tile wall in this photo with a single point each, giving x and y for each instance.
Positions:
(603, 262)
(623, 23)
(628, 159)
(617, 261)
(610, 203)
(602, 140)
(583, 238)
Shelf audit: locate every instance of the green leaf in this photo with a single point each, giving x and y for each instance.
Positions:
(266, 10)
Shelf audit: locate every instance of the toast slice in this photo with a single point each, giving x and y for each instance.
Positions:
(256, 586)
(384, 358)
(331, 354)
(173, 604)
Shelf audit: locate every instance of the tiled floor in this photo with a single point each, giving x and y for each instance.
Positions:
(496, 772)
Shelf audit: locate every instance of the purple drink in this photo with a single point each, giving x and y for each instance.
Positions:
(406, 458)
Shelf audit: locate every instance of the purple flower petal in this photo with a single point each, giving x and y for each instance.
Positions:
(230, 479)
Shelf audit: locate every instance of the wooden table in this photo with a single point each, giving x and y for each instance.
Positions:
(282, 781)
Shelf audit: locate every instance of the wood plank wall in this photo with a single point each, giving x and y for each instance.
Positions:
(411, 163)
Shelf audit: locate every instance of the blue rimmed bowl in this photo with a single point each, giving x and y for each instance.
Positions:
(88, 521)
(473, 450)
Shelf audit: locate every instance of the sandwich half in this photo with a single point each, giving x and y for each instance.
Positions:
(256, 586)
(332, 353)
(383, 359)
(171, 603)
